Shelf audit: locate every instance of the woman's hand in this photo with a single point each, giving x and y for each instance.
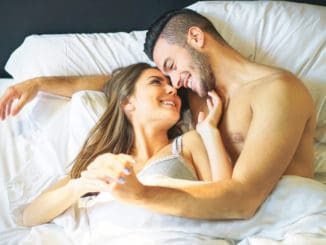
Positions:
(23, 92)
(215, 108)
(84, 185)
(117, 171)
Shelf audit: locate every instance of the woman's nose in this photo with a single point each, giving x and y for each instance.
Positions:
(171, 90)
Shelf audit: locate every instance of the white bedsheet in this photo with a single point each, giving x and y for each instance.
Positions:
(34, 154)
(280, 216)
(280, 220)
(26, 140)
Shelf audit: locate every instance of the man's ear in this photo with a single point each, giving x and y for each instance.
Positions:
(196, 37)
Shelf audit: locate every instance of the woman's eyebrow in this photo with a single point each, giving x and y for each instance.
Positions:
(155, 77)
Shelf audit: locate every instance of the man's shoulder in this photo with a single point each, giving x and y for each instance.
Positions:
(284, 87)
(279, 80)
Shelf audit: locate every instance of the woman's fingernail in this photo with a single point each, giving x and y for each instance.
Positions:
(126, 171)
(122, 180)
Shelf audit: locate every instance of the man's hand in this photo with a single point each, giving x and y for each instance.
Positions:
(23, 92)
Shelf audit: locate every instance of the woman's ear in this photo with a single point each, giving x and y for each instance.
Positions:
(196, 37)
(128, 105)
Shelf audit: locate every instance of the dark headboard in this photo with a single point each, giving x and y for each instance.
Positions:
(19, 19)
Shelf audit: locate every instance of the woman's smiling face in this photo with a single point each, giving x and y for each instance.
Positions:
(155, 99)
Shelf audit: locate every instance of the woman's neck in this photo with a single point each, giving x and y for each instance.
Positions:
(148, 142)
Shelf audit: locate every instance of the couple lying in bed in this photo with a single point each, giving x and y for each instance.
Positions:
(133, 133)
(267, 126)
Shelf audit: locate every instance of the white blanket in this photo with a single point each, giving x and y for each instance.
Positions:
(295, 213)
(296, 209)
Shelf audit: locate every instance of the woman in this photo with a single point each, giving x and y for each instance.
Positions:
(137, 136)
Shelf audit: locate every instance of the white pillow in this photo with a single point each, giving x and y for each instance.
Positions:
(75, 54)
(86, 107)
(49, 133)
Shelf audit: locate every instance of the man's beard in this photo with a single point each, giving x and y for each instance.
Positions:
(206, 76)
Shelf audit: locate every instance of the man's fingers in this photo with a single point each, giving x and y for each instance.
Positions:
(5, 100)
(18, 106)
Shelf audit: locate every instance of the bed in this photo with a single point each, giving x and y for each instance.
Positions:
(38, 145)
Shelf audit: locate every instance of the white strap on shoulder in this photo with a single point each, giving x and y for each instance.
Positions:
(177, 145)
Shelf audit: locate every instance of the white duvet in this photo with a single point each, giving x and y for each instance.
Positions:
(295, 213)
(32, 158)
(277, 218)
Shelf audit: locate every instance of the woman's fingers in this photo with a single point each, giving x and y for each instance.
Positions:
(201, 117)
(96, 185)
(109, 159)
(110, 167)
(127, 158)
(214, 104)
(214, 98)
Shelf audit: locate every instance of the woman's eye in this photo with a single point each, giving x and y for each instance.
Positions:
(156, 81)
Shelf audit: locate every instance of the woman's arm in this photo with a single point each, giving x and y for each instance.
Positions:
(59, 198)
(65, 86)
(219, 160)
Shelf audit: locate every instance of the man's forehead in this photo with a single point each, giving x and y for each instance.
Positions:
(161, 52)
(157, 51)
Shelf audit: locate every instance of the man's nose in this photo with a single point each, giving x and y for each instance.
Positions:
(175, 80)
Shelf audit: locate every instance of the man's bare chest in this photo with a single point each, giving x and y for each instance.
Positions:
(234, 126)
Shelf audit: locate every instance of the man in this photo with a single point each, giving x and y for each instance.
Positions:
(267, 126)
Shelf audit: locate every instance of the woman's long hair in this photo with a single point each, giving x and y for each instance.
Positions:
(113, 132)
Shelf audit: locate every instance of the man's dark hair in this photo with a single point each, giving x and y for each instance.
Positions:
(173, 26)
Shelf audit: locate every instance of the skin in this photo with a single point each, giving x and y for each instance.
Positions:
(25, 91)
(267, 128)
(154, 98)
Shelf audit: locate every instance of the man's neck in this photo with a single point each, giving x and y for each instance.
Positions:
(232, 70)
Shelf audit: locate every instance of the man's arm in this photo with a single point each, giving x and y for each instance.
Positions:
(280, 114)
(65, 86)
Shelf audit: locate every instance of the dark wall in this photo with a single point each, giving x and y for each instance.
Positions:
(20, 18)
